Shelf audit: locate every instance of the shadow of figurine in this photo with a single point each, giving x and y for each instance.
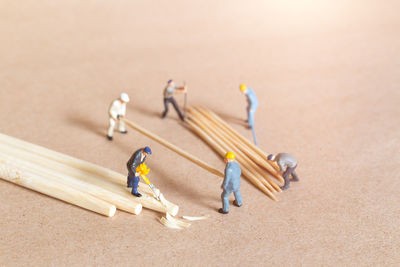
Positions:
(143, 111)
(87, 124)
(229, 118)
(189, 193)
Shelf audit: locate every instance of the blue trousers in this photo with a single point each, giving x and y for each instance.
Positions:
(133, 181)
(250, 117)
(225, 199)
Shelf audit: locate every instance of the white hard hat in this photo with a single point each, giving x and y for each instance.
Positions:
(124, 97)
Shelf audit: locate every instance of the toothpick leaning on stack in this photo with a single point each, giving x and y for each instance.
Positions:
(223, 138)
(73, 180)
(173, 148)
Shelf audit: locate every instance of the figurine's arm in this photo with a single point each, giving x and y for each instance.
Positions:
(282, 166)
(252, 101)
(135, 164)
(181, 89)
(112, 112)
(228, 175)
(123, 111)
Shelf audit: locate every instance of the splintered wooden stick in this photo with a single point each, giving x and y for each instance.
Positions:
(241, 158)
(85, 171)
(36, 182)
(247, 142)
(122, 203)
(223, 139)
(174, 148)
(222, 152)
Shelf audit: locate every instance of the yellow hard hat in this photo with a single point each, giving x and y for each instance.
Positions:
(230, 155)
(243, 87)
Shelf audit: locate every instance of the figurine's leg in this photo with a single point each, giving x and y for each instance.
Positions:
(295, 178)
(130, 178)
(111, 129)
(251, 118)
(135, 186)
(225, 202)
(177, 108)
(121, 127)
(238, 199)
(166, 102)
(286, 176)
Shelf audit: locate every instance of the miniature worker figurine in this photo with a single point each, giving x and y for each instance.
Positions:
(287, 165)
(252, 103)
(133, 177)
(169, 92)
(231, 183)
(116, 111)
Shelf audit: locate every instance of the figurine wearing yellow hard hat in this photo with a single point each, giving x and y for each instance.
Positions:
(252, 103)
(231, 183)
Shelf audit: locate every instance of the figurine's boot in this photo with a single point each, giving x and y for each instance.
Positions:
(295, 178)
(222, 211)
(129, 182)
(286, 178)
(110, 129)
(238, 199)
(164, 114)
(172, 100)
(225, 202)
(121, 127)
(250, 119)
(135, 186)
(285, 187)
(130, 178)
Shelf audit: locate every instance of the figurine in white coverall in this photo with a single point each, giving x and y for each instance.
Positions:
(116, 111)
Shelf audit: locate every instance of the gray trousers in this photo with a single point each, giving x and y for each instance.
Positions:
(286, 176)
(173, 102)
(225, 199)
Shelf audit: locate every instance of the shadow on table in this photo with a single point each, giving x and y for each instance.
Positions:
(144, 111)
(185, 191)
(87, 124)
(231, 119)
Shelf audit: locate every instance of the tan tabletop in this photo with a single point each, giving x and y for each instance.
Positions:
(327, 75)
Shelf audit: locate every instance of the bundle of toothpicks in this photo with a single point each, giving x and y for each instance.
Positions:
(223, 138)
(72, 180)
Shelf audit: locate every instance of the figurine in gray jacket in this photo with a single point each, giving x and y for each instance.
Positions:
(133, 177)
(231, 183)
(287, 165)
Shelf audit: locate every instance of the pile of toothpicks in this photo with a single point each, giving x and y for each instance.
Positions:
(222, 138)
(72, 180)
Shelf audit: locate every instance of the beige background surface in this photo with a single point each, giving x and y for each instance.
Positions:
(327, 76)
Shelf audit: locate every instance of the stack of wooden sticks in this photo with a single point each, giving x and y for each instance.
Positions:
(223, 138)
(73, 180)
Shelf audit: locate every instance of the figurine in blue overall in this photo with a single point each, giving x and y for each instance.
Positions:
(287, 165)
(169, 92)
(133, 177)
(231, 183)
(252, 103)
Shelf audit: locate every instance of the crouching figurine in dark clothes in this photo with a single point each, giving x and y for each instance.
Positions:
(133, 177)
(231, 183)
(287, 165)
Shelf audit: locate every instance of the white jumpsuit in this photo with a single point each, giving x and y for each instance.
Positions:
(116, 108)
